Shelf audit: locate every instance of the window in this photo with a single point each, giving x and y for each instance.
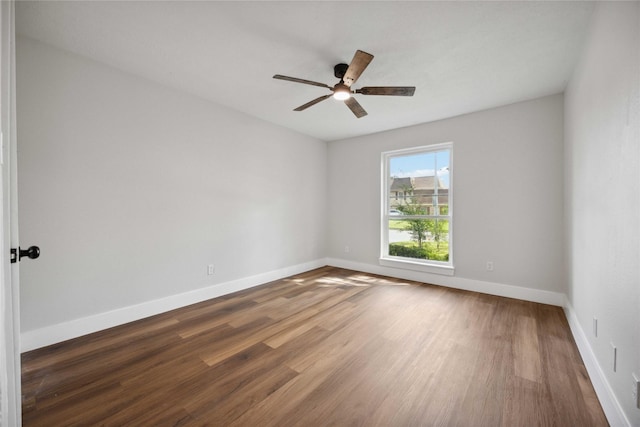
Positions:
(416, 229)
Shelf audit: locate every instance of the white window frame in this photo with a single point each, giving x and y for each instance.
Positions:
(428, 266)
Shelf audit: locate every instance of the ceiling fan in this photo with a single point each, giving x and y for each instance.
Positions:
(348, 74)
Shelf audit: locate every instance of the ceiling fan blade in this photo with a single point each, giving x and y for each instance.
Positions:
(359, 62)
(355, 107)
(296, 80)
(311, 103)
(387, 90)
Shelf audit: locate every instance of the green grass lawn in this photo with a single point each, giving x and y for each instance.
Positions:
(395, 224)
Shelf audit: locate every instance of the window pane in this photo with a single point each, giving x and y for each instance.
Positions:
(419, 238)
(419, 183)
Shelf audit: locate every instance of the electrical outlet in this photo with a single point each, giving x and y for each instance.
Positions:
(635, 392)
(347, 249)
(595, 327)
(489, 265)
(211, 269)
(615, 357)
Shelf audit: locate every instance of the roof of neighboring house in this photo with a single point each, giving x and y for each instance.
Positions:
(426, 183)
(417, 183)
(401, 184)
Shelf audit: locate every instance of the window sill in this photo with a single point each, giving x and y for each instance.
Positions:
(446, 270)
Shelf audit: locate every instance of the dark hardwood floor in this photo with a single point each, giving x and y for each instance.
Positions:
(327, 347)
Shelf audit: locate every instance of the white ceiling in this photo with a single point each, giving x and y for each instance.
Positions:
(461, 56)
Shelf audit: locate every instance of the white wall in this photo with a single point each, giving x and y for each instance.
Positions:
(130, 189)
(603, 192)
(508, 195)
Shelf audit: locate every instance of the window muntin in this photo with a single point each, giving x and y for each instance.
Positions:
(417, 210)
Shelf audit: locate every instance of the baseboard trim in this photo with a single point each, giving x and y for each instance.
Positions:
(498, 289)
(610, 404)
(31, 340)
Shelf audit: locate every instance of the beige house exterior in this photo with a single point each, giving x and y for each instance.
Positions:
(428, 191)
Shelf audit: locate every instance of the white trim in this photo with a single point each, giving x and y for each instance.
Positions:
(10, 385)
(432, 268)
(498, 289)
(610, 404)
(75, 328)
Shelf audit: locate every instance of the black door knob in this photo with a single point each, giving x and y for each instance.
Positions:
(32, 253)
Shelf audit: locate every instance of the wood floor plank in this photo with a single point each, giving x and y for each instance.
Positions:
(256, 337)
(329, 319)
(88, 346)
(245, 396)
(326, 347)
(257, 311)
(526, 351)
(526, 403)
(222, 308)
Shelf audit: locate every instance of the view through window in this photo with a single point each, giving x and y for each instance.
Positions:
(417, 223)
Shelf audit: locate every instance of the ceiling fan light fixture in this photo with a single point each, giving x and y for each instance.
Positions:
(342, 94)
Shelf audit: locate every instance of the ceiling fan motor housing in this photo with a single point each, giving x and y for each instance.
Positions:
(340, 70)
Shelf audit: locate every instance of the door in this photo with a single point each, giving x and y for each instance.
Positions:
(10, 394)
